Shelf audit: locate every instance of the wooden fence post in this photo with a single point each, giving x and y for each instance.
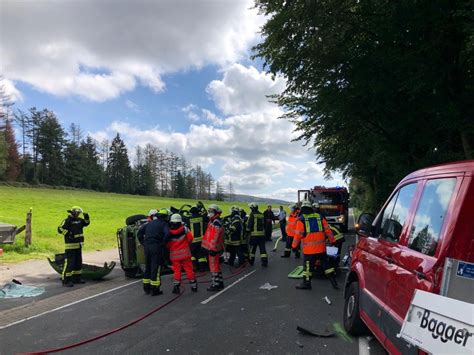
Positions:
(28, 228)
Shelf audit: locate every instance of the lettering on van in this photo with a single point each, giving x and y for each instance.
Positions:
(444, 331)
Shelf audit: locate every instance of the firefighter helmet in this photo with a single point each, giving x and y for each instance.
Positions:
(75, 209)
(215, 208)
(306, 203)
(163, 212)
(152, 212)
(234, 209)
(176, 218)
(253, 205)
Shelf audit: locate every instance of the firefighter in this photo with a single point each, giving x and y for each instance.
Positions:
(269, 219)
(235, 232)
(72, 229)
(155, 235)
(312, 230)
(244, 245)
(197, 224)
(290, 232)
(213, 242)
(180, 254)
(257, 235)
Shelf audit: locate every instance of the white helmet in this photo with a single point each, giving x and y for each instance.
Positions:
(253, 205)
(234, 209)
(215, 208)
(176, 218)
(152, 212)
(306, 203)
(315, 204)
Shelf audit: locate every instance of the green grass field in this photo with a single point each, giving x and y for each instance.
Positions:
(107, 212)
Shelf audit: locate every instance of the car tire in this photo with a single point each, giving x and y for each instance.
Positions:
(352, 321)
(134, 219)
(133, 273)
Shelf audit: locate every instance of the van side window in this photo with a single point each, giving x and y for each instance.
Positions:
(429, 217)
(396, 213)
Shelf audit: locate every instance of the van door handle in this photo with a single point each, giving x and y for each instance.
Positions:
(388, 259)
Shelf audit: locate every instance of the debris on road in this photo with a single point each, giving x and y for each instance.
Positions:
(297, 273)
(306, 331)
(267, 286)
(299, 344)
(341, 332)
(328, 301)
(16, 290)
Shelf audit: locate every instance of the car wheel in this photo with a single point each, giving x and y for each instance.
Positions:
(133, 219)
(133, 273)
(352, 321)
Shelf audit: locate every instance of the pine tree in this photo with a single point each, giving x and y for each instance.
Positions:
(50, 140)
(93, 173)
(219, 192)
(13, 158)
(118, 167)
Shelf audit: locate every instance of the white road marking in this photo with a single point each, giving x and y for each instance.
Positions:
(228, 287)
(364, 348)
(69, 304)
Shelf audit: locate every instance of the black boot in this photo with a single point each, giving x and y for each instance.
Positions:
(176, 289)
(265, 262)
(68, 283)
(286, 254)
(147, 288)
(214, 288)
(297, 255)
(155, 291)
(305, 285)
(194, 285)
(334, 284)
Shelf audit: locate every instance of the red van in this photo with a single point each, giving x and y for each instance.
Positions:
(423, 233)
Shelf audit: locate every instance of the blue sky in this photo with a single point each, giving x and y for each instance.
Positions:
(176, 74)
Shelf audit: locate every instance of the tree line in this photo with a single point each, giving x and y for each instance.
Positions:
(48, 154)
(378, 88)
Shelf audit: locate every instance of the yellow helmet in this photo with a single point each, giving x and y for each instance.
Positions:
(75, 209)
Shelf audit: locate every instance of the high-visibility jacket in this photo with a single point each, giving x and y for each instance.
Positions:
(235, 230)
(311, 230)
(178, 244)
(213, 237)
(291, 225)
(72, 229)
(255, 224)
(337, 234)
(196, 224)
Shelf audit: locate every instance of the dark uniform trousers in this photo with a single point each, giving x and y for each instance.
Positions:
(310, 261)
(154, 261)
(258, 242)
(72, 268)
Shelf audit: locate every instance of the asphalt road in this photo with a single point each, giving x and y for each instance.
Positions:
(242, 319)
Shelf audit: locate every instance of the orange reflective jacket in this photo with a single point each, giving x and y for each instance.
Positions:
(291, 225)
(312, 230)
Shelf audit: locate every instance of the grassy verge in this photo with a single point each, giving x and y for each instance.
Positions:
(107, 212)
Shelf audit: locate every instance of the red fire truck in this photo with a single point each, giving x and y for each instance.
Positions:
(333, 202)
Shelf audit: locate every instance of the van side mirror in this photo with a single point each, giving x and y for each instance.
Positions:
(391, 230)
(364, 225)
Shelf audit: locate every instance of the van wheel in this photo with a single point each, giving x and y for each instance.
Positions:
(133, 219)
(352, 322)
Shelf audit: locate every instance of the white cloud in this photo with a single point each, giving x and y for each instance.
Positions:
(132, 106)
(253, 149)
(100, 49)
(244, 90)
(10, 90)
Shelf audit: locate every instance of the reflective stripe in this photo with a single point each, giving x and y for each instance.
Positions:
(329, 271)
(69, 246)
(78, 235)
(64, 270)
(146, 281)
(307, 222)
(312, 242)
